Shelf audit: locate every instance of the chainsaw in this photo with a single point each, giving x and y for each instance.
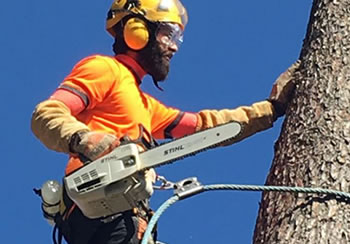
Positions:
(116, 182)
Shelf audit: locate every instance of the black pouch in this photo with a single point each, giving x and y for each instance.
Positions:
(62, 228)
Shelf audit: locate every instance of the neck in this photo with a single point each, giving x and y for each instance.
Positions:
(130, 61)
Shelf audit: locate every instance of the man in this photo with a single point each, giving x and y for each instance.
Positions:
(101, 101)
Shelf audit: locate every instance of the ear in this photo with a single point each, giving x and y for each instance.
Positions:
(136, 34)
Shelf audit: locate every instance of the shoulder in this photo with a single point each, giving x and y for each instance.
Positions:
(97, 64)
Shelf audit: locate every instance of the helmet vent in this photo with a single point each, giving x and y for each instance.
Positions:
(130, 4)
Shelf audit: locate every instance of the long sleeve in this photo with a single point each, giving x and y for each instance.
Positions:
(53, 124)
(254, 118)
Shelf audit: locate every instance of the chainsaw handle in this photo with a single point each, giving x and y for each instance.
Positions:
(85, 160)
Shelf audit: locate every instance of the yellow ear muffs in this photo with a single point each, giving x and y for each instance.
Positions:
(136, 33)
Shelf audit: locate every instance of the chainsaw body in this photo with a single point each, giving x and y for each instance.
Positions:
(110, 184)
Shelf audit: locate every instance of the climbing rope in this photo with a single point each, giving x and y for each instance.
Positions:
(191, 187)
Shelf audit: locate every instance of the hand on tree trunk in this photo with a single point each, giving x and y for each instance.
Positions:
(283, 89)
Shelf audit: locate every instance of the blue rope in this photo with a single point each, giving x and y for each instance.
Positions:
(176, 198)
(156, 216)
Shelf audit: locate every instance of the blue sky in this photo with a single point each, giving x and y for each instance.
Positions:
(232, 53)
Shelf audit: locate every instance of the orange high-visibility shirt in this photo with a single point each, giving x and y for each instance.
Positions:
(114, 102)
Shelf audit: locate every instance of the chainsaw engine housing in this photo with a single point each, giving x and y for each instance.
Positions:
(110, 184)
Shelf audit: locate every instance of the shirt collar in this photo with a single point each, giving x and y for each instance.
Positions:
(133, 66)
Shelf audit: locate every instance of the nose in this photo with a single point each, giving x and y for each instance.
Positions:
(173, 47)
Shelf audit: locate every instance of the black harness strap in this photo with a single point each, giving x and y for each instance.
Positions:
(142, 139)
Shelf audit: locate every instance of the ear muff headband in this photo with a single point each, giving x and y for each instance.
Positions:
(136, 34)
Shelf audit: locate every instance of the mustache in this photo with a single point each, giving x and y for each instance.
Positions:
(167, 55)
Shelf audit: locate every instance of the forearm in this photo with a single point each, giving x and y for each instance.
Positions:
(53, 124)
(257, 117)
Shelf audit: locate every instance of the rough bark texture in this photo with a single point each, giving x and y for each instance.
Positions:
(313, 148)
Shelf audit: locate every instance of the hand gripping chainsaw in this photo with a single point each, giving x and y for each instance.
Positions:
(116, 182)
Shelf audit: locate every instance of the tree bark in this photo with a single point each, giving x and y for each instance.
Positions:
(313, 148)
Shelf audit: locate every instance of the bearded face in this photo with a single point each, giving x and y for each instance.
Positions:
(155, 58)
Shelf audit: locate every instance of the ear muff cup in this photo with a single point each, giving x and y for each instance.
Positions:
(135, 33)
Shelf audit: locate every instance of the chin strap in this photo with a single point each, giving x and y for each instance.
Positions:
(156, 83)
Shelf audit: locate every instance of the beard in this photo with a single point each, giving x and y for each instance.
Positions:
(154, 61)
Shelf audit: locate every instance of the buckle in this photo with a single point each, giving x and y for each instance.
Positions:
(188, 187)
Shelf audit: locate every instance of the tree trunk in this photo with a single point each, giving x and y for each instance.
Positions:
(313, 148)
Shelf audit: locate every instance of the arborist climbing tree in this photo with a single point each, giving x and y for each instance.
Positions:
(313, 148)
(100, 104)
